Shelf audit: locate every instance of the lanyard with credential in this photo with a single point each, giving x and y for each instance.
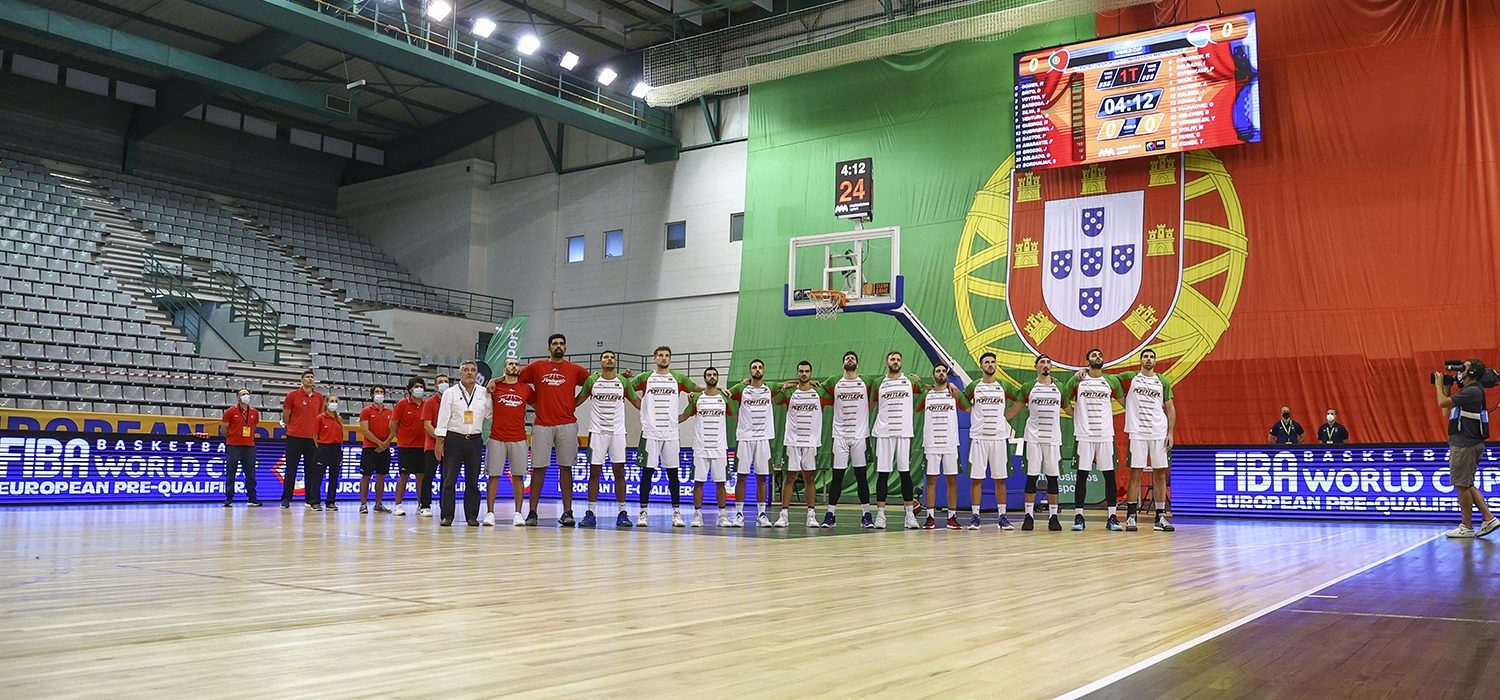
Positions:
(468, 403)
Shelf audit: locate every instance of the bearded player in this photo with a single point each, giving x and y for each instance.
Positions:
(755, 428)
(1151, 422)
(851, 435)
(608, 389)
(803, 434)
(941, 403)
(894, 400)
(989, 433)
(713, 408)
(1093, 394)
(1043, 399)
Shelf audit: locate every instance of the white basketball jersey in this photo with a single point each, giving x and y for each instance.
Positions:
(940, 428)
(893, 420)
(1145, 412)
(987, 416)
(756, 419)
(1044, 411)
(1093, 417)
(712, 431)
(804, 419)
(607, 406)
(851, 409)
(660, 406)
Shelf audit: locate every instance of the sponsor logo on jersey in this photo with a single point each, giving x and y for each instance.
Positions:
(510, 400)
(554, 379)
(662, 390)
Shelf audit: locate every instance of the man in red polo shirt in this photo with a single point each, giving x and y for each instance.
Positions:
(510, 397)
(375, 453)
(556, 382)
(299, 415)
(429, 457)
(237, 427)
(411, 439)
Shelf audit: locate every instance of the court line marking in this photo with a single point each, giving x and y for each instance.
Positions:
(1394, 615)
(1315, 595)
(1169, 653)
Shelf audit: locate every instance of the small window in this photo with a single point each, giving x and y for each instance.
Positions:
(737, 227)
(575, 249)
(676, 235)
(614, 244)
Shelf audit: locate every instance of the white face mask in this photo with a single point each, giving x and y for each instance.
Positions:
(333, 406)
(417, 392)
(1330, 417)
(380, 398)
(442, 387)
(245, 399)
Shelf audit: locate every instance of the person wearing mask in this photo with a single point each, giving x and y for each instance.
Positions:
(299, 415)
(237, 427)
(330, 457)
(1333, 432)
(375, 453)
(411, 443)
(1285, 431)
(430, 458)
(459, 432)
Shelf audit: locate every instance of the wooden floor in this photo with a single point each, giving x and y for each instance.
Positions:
(171, 601)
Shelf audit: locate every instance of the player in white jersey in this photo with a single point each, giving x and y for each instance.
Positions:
(1151, 422)
(851, 433)
(894, 399)
(755, 428)
(802, 436)
(608, 389)
(659, 393)
(989, 435)
(940, 404)
(713, 409)
(1043, 399)
(1093, 394)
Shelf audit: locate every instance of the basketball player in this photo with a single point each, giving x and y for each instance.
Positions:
(1151, 422)
(713, 408)
(755, 429)
(429, 456)
(804, 401)
(299, 415)
(989, 431)
(608, 389)
(851, 433)
(509, 397)
(661, 405)
(555, 429)
(411, 438)
(893, 433)
(941, 403)
(1043, 399)
(1093, 394)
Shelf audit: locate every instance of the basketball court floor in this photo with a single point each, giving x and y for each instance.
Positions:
(167, 601)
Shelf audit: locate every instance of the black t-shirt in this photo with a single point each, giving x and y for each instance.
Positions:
(1335, 433)
(1467, 432)
(1287, 432)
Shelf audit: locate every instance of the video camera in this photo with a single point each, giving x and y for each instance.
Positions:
(1488, 378)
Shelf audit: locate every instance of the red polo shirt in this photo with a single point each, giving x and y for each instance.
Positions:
(330, 430)
(379, 418)
(300, 411)
(237, 419)
(556, 385)
(429, 415)
(510, 401)
(408, 417)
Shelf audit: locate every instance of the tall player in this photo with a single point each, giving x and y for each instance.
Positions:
(713, 408)
(804, 402)
(300, 410)
(1094, 393)
(941, 403)
(555, 428)
(754, 430)
(1151, 422)
(659, 393)
(893, 433)
(989, 433)
(851, 432)
(1043, 399)
(509, 397)
(608, 389)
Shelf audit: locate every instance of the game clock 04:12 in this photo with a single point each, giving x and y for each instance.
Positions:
(854, 189)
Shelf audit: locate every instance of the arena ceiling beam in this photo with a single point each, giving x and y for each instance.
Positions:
(178, 95)
(441, 139)
(420, 63)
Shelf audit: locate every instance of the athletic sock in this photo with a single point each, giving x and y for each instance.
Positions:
(593, 506)
(974, 510)
(1052, 508)
(1113, 511)
(908, 509)
(698, 512)
(832, 508)
(865, 508)
(1031, 507)
(1130, 508)
(1077, 511)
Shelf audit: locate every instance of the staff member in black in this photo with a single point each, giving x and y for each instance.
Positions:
(1286, 431)
(1333, 432)
(459, 432)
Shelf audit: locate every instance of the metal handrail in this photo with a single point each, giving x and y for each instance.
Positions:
(691, 364)
(246, 304)
(452, 47)
(181, 286)
(456, 302)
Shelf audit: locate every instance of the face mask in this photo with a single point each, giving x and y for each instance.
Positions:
(380, 398)
(1286, 414)
(333, 406)
(245, 399)
(1330, 418)
(417, 392)
(442, 387)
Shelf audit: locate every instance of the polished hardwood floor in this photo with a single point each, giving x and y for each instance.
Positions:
(176, 601)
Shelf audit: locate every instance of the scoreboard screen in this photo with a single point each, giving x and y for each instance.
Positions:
(1164, 90)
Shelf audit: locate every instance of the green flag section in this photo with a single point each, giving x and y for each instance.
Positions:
(509, 338)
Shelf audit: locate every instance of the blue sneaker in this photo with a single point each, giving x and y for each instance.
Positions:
(1114, 524)
(588, 519)
(974, 522)
(828, 519)
(867, 521)
(623, 520)
(1005, 523)
(1078, 524)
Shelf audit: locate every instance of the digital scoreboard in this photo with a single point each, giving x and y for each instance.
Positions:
(1176, 88)
(854, 189)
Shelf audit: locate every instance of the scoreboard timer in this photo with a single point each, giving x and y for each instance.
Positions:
(854, 189)
(1177, 88)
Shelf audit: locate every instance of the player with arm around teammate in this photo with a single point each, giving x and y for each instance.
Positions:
(1151, 422)
(608, 389)
(755, 428)
(989, 435)
(894, 400)
(714, 409)
(1043, 399)
(1093, 394)
(803, 434)
(941, 403)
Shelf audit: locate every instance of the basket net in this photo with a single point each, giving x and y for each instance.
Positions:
(828, 303)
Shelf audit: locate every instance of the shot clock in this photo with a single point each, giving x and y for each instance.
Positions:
(854, 189)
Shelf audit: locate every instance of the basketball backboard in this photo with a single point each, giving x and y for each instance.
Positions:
(864, 265)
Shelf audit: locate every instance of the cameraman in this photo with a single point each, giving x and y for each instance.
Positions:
(1468, 426)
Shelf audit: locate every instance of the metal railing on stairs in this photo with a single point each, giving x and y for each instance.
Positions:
(177, 289)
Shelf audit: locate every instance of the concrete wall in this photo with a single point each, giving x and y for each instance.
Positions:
(421, 332)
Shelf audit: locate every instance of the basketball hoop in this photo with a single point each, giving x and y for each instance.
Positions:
(827, 303)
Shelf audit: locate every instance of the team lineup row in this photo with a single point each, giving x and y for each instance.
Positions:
(447, 429)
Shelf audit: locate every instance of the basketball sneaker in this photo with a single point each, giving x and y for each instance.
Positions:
(677, 520)
(489, 519)
(782, 521)
(424, 512)
(763, 520)
(928, 523)
(1461, 532)
(880, 521)
(622, 520)
(1487, 527)
(697, 520)
(531, 519)
(1029, 523)
(641, 521)
(974, 522)
(828, 519)
(228, 504)
(1130, 524)
(953, 523)
(1163, 526)
(314, 506)
(399, 510)
(380, 508)
(1114, 524)
(1078, 523)
(567, 519)
(867, 521)
(330, 507)
(1053, 524)
(363, 509)
(1005, 524)
(589, 519)
(812, 519)
(254, 504)
(911, 521)
(739, 520)
(518, 520)
(725, 520)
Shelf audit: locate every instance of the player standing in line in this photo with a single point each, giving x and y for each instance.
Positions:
(509, 397)
(713, 408)
(608, 389)
(429, 455)
(989, 433)
(375, 449)
(658, 392)
(851, 433)
(1151, 422)
(1093, 394)
(1043, 400)
(804, 402)
(300, 409)
(555, 429)
(893, 433)
(941, 403)
(755, 428)
(411, 438)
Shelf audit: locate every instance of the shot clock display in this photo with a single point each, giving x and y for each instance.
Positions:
(854, 189)
(1176, 88)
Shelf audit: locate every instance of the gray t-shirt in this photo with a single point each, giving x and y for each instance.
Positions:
(1466, 432)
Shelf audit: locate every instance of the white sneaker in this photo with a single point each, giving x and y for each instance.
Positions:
(911, 522)
(1461, 532)
(398, 510)
(763, 521)
(518, 520)
(697, 520)
(781, 521)
(677, 520)
(641, 521)
(425, 513)
(489, 520)
(1487, 527)
(739, 519)
(880, 520)
(726, 521)
(812, 519)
